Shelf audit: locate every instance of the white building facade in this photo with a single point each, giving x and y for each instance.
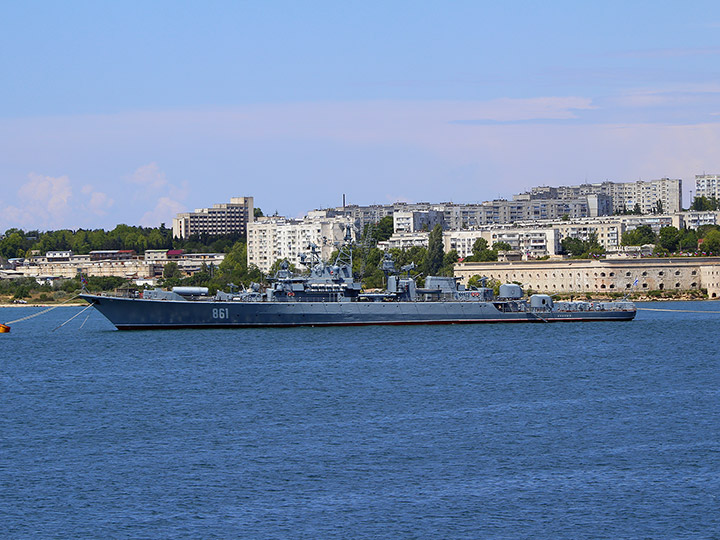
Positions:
(273, 238)
(224, 218)
(707, 185)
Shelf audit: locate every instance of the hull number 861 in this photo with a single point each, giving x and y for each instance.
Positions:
(221, 313)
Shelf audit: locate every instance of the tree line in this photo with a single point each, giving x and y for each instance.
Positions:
(18, 243)
(367, 257)
(670, 240)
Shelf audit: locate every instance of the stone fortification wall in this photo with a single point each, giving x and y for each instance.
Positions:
(603, 276)
(710, 276)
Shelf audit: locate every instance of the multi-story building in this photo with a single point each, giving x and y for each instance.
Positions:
(224, 218)
(528, 242)
(697, 218)
(120, 263)
(273, 238)
(623, 195)
(416, 220)
(413, 217)
(707, 185)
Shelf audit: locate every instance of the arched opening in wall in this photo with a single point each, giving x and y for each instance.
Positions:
(713, 295)
(693, 285)
(602, 286)
(677, 272)
(677, 285)
(661, 273)
(644, 285)
(627, 286)
(661, 286)
(627, 274)
(612, 286)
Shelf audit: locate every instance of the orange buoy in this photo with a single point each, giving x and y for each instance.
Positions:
(4, 328)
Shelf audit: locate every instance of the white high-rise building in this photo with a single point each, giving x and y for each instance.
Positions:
(224, 218)
(273, 238)
(624, 195)
(707, 185)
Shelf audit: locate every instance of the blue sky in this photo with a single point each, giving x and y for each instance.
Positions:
(129, 112)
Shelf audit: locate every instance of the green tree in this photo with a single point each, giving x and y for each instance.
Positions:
(582, 249)
(688, 240)
(383, 229)
(449, 260)
(488, 255)
(668, 240)
(639, 236)
(435, 251)
(13, 245)
(573, 246)
(171, 270)
(479, 246)
(501, 246)
(711, 242)
(702, 204)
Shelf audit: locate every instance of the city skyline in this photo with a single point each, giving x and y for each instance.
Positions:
(133, 113)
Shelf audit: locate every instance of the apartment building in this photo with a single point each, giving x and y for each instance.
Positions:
(273, 238)
(707, 185)
(119, 263)
(622, 195)
(414, 217)
(416, 220)
(223, 218)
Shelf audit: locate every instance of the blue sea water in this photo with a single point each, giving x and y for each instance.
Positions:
(561, 431)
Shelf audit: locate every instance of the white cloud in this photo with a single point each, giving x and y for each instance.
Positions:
(149, 177)
(42, 201)
(154, 186)
(294, 157)
(164, 211)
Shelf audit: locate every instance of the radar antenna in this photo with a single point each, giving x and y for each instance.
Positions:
(345, 255)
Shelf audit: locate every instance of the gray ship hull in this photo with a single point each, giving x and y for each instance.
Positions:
(143, 314)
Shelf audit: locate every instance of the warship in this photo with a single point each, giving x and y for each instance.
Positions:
(329, 295)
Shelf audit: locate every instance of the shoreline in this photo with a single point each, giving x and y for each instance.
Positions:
(69, 304)
(599, 299)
